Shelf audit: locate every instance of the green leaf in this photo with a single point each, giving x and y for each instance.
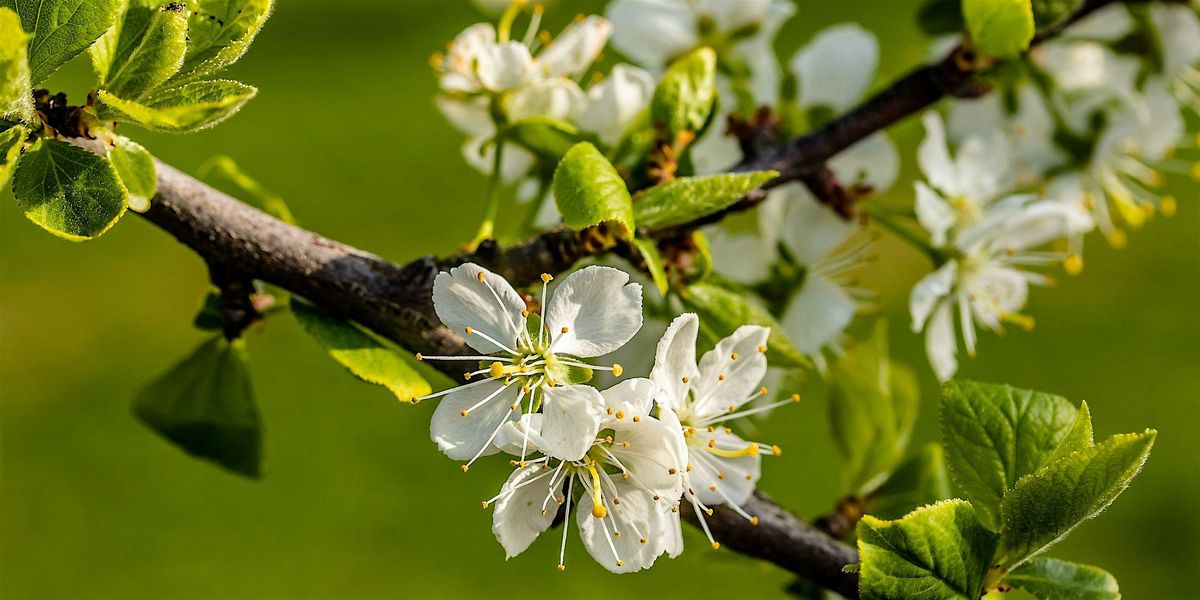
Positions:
(1078, 437)
(135, 167)
(999, 28)
(224, 174)
(1052, 579)
(996, 434)
(940, 17)
(649, 253)
(68, 191)
(589, 191)
(10, 150)
(61, 29)
(548, 139)
(208, 318)
(205, 405)
(872, 408)
(723, 310)
(219, 32)
(687, 94)
(919, 480)
(1044, 507)
(16, 99)
(364, 356)
(1050, 12)
(189, 107)
(143, 49)
(939, 551)
(690, 198)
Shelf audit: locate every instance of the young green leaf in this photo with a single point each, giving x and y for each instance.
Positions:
(999, 28)
(362, 355)
(687, 94)
(589, 191)
(939, 551)
(689, 198)
(1044, 507)
(10, 150)
(919, 480)
(1052, 579)
(996, 434)
(872, 408)
(548, 139)
(1050, 12)
(61, 29)
(135, 167)
(723, 310)
(205, 405)
(142, 50)
(1078, 437)
(219, 32)
(16, 101)
(649, 253)
(224, 174)
(189, 107)
(68, 191)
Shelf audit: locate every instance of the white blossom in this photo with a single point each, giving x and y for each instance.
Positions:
(523, 355)
(623, 487)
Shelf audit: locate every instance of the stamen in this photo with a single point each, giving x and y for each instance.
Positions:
(562, 549)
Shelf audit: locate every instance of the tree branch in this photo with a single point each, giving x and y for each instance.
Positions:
(395, 301)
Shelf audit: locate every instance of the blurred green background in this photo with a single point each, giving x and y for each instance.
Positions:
(357, 501)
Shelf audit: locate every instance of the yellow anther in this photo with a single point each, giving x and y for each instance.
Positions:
(469, 330)
(624, 444)
(712, 443)
(625, 475)
(525, 313)
(672, 470)
(689, 468)
(721, 377)
(1196, 171)
(685, 379)
(795, 397)
(566, 329)
(728, 430)
(1073, 265)
(579, 17)
(538, 9)
(609, 410)
(512, 407)
(526, 389)
(732, 408)
(637, 419)
(762, 349)
(464, 412)
(420, 357)
(1155, 179)
(608, 439)
(754, 521)
(720, 475)
(1148, 209)
(547, 278)
(1117, 239)
(617, 534)
(562, 568)
(485, 504)
(521, 464)
(464, 468)
(674, 509)
(620, 414)
(435, 60)
(544, 36)
(1168, 206)
(480, 277)
(711, 429)
(643, 540)
(776, 450)
(617, 370)
(733, 356)
(497, 370)
(752, 450)
(712, 488)
(749, 477)
(415, 400)
(620, 563)
(763, 390)
(467, 376)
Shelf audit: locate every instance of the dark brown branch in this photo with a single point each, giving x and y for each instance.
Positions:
(395, 300)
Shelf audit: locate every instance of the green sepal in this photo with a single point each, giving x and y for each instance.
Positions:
(205, 405)
(135, 167)
(361, 354)
(548, 139)
(562, 374)
(69, 191)
(686, 199)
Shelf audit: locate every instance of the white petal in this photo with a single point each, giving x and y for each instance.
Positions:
(1041, 223)
(742, 257)
(758, 51)
(811, 230)
(655, 449)
(929, 291)
(706, 468)
(836, 67)
(572, 419)
(518, 518)
(459, 65)
(714, 393)
(727, 16)
(637, 512)
(976, 116)
(1179, 35)
(716, 152)
(651, 32)
(574, 50)
(558, 98)
(983, 167)
(480, 153)
(461, 438)
(615, 103)
(1163, 124)
(634, 396)
(502, 67)
(490, 306)
(994, 290)
(873, 161)
(675, 359)
(818, 314)
(1111, 23)
(940, 344)
(934, 214)
(933, 155)
(468, 116)
(599, 310)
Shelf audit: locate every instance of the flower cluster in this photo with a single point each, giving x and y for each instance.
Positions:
(620, 460)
